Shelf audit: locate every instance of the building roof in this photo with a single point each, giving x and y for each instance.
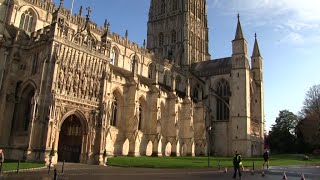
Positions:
(212, 67)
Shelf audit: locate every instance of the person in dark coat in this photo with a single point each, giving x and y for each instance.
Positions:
(236, 164)
(266, 158)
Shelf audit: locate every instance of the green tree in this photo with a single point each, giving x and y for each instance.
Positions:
(282, 137)
(308, 129)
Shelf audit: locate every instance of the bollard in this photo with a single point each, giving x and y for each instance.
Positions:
(18, 167)
(55, 177)
(62, 170)
(253, 165)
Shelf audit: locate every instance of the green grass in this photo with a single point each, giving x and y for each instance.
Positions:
(202, 162)
(9, 166)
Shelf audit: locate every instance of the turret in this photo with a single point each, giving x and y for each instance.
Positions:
(240, 89)
(239, 49)
(256, 61)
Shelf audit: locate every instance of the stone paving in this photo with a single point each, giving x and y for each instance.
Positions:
(84, 172)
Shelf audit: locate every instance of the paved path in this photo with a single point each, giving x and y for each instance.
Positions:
(84, 172)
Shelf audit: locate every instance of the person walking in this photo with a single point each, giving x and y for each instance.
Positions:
(1, 159)
(266, 158)
(236, 164)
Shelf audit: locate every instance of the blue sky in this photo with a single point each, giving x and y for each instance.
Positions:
(288, 35)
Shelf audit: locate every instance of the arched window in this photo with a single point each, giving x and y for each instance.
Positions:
(223, 93)
(140, 117)
(178, 83)
(26, 21)
(165, 79)
(114, 56)
(162, 6)
(173, 36)
(161, 39)
(24, 109)
(150, 71)
(114, 110)
(134, 63)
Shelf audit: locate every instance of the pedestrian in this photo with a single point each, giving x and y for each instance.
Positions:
(1, 159)
(266, 158)
(236, 164)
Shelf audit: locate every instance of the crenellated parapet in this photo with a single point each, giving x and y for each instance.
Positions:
(47, 6)
(123, 41)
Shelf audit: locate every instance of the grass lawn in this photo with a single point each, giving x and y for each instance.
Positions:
(202, 162)
(9, 166)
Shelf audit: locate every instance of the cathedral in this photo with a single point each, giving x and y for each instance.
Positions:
(76, 91)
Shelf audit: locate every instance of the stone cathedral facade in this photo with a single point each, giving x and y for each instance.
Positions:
(79, 90)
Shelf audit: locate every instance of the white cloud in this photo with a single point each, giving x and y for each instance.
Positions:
(298, 19)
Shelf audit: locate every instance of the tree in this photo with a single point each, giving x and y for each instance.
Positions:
(282, 137)
(308, 129)
(312, 102)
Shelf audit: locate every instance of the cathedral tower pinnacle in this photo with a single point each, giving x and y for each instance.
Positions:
(178, 31)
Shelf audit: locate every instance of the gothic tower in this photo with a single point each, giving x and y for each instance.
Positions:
(178, 30)
(240, 99)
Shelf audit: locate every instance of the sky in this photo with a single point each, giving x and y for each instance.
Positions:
(287, 31)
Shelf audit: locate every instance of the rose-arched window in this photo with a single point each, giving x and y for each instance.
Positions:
(26, 21)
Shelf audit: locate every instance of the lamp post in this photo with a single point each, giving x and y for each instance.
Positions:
(209, 132)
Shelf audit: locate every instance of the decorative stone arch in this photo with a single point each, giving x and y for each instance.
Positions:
(82, 118)
(25, 106)
(27, 83)
(33, 11)
(81, 144)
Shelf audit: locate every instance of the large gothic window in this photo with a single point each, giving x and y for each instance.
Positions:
(114, 56)
(162, 6)
(26, 21)
(24, 110)
(173, 36)
(161, 39)
(114, 111)
(223, 93)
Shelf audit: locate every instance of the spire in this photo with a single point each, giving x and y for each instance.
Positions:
(239, 34)
(256, 50)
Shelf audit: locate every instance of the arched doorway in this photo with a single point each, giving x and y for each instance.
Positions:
(70, 140)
